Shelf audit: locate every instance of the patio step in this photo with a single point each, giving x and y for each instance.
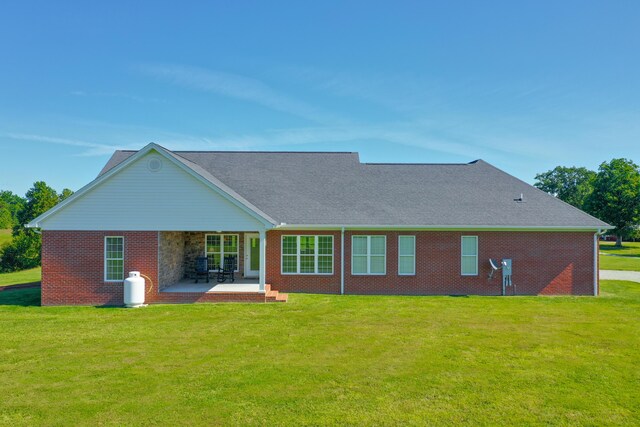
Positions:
(275, 296)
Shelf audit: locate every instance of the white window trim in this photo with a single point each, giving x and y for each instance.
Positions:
(105, 259)
(222, 254)
(297, 255)
(462, 256)
(368, 273)
(407, 256)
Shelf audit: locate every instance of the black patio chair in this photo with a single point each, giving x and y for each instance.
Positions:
(201, 268)
(227, 269)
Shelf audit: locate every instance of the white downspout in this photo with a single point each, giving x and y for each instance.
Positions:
(596, 272)
(263, 259)
(342, 262)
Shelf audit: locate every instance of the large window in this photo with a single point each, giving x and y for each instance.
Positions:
(406, 255)
(307, 254)
(369, 255)
(469, 259)
(114, 259)
(218, 246)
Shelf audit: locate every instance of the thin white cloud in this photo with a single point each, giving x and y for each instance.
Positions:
(430, 135)
(136, 98)
(368, 134)
(239, 87)
(130, 138)
(93, 148)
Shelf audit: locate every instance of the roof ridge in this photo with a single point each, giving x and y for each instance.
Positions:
(249, 151)
(473, 162)
(415, 164)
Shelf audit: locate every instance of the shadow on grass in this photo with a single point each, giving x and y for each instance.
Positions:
(20, 297)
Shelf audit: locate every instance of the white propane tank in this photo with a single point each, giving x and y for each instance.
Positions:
(134, 290)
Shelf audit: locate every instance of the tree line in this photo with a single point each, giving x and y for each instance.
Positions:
(24, 250)
(612, 193)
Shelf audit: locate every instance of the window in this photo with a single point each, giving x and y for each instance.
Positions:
(307, 254)
(407, 255)
(368, 255)
(469, 261)
(113, 259)
(217, 246)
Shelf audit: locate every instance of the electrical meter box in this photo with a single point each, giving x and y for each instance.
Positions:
(506, 274)
(506, 267)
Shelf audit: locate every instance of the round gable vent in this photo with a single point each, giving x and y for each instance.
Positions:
(154, 164)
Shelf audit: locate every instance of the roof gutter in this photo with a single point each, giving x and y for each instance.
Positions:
(599, 229)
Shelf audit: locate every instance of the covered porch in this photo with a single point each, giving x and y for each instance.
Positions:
(181, 255)
(179, 281)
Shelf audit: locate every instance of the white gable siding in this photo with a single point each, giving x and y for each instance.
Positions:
(136, 198)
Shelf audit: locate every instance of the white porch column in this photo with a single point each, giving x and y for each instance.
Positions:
(263, 259)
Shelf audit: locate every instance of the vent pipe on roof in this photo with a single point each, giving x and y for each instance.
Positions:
(519, 199)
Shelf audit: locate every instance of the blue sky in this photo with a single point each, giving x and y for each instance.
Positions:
(525, 86)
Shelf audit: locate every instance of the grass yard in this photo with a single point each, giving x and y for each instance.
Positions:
(629, 259)
(619, 263)
(364, 360)
(5, 237)
(627, 249)
(20, 277)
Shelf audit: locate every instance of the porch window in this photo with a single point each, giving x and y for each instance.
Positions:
(369, 255)
(114, 259)
(307, 254)
(469, 261)
(218, 246)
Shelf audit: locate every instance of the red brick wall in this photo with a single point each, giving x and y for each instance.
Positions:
(326, 284)
(73, 270)
(543, 263)
(73, 266)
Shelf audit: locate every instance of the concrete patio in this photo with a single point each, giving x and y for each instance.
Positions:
(240, 285)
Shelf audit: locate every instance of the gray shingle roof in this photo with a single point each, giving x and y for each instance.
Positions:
(305, 188)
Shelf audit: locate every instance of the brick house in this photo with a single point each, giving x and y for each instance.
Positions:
(310, 222)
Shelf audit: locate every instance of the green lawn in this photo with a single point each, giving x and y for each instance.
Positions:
(5, 237)
(19, 277)
(325, 360)
(619, 263)
(629, 258)
(627, 249)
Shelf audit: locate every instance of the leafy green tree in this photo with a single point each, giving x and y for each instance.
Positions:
(23, 252)
(570, 184)
(25, 249)
(66, 193)
(6, 220)
(10, 205)
(40, 198)
(616, 196)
